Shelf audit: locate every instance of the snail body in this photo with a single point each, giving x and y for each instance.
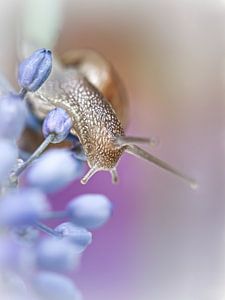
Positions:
(94, 120)
(90, 91)
(101, 74)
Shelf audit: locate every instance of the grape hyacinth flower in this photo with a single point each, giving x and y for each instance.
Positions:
(62, 169)
(22, 207)
(77, 235)
(14, 257)
(5, 86)
(57, 122)
(12, 116)
(25, 234)
(57, 255)
(15, 284)
(34, 70)
(10, 152)
(31, 252)
(90, 211)
(51, 285)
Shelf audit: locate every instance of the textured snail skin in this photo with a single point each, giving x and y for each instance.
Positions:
(94, 120)
(102, 75)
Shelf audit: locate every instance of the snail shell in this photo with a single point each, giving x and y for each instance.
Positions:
(101, 74)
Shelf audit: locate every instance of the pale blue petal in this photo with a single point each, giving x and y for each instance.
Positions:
(90, 210)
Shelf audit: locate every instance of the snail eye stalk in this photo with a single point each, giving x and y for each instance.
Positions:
(131, 140)
(139, 152)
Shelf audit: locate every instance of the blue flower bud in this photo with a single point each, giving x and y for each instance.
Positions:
(9, 154)
(49, 285)
(56, 255)
(25, 234)
(53, 170)
(34, 70)
(79, 236)
(12, 116)
(22, 207)
(15, 257)
(90, 210)
(15, 286)
(5, 86)
(57, 122)
(9, 252)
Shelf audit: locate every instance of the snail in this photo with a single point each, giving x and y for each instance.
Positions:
(88, 88)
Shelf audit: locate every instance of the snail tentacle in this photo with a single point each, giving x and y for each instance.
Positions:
(115, 177)
(139, 152)
(89, 174)
(131, 140)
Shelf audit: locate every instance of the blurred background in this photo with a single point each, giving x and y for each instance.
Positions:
(165, 241)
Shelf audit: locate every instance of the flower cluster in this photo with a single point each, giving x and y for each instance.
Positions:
(33, 256)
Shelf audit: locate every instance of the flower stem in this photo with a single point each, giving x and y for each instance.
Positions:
(22, 93)
(34, 156)
(47, 229)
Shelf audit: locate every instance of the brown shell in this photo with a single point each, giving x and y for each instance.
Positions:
(101, 74)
